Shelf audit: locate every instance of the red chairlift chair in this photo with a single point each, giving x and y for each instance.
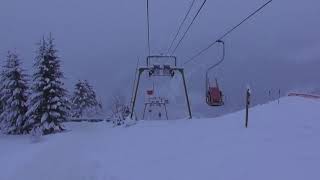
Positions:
(214, 95)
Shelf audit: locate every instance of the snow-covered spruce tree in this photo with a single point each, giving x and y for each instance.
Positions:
(77, 100)
(84, 101)
(48, 105)
(94, 105)
(13, 96)
(1, 95)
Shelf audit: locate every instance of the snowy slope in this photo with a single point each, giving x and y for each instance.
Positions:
(282, 142)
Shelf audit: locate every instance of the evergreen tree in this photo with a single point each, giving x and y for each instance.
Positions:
(1, 95)
(48, 105)
(13, 96)
(84, 100)
(78, 100)
(92, 97)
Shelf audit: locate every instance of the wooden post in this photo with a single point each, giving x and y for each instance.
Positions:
(279, 96)
(269, 94)
(248, 94)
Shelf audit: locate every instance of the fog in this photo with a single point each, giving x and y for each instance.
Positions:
(101, 40)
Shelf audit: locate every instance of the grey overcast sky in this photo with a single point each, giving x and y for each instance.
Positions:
(100, 40)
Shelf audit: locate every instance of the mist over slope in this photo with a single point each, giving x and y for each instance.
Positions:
(101, 40)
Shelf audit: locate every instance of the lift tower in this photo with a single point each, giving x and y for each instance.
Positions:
(158, 66)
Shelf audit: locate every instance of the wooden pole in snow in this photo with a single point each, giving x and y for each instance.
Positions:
(248, 94)
(279, 92)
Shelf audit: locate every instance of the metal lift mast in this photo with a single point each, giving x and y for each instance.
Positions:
(164, 70)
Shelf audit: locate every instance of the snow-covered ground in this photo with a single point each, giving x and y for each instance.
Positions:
(281, 143)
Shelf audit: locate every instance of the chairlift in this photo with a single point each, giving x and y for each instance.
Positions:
(214, 95)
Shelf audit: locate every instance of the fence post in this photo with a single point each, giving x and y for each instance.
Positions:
(279, 92)
(248, 94)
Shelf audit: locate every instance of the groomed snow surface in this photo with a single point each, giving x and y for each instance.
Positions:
(281, 143)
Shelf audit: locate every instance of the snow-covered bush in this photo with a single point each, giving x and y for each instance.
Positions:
(48, 105)
(13, 94)
(119, 110)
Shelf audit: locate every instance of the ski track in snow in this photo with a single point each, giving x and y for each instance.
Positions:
(282, 142)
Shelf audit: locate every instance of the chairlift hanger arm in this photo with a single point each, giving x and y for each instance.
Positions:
(221, 60)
